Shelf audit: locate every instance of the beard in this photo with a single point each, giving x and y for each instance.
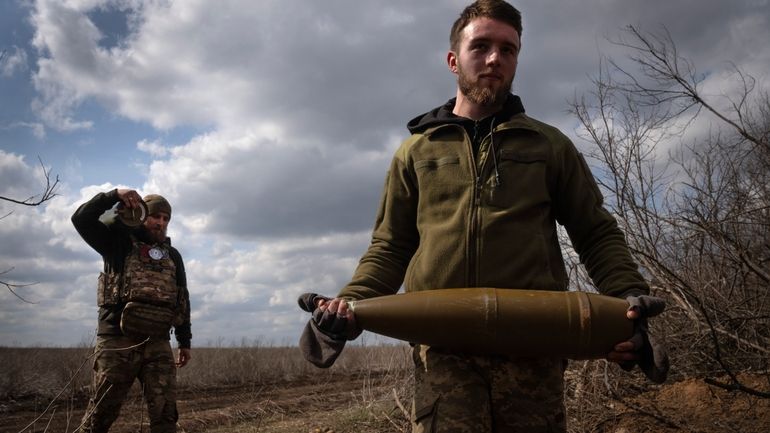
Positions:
(151, 235)
(482, 95)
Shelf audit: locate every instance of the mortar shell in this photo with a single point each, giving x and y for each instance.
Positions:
(526, 323)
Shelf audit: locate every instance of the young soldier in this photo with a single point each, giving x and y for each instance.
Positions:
(472, 199)
(142, 293)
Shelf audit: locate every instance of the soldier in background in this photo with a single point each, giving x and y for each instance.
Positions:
(142, 293)
(472, 199)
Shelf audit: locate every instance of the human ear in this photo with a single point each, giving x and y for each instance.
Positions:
(451, 60)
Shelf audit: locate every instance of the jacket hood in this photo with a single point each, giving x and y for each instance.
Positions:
(443, 115)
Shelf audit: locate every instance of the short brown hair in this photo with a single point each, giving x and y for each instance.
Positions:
(494, 9)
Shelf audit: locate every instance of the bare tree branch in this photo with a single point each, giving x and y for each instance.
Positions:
(696, 219)
(48, 193)
(11, 286)
(737, 386)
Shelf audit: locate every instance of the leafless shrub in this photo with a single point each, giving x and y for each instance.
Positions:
(696, 211)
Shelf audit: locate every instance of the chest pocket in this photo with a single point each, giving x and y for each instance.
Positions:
(441, 182)
(150, 276)
(523, 183)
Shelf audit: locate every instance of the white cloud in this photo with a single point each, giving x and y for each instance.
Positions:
(261, 281)
(249, 64)
(154, 148)
(252, 185)
(13, 61)
(38, 129)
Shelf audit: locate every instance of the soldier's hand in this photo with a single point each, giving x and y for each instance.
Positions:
(336, 317)
(644, 306)
(627, 352)
(642, 348)
(332, 317)
(130, 198)
(183, 357)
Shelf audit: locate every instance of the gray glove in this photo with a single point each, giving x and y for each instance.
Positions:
(646, 305)
(653, 358)
(325, 334)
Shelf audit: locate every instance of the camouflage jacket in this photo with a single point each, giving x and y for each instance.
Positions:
(114, 244)
(454, 216)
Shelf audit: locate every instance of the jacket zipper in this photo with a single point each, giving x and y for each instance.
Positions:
(475, 222)
(474, 217)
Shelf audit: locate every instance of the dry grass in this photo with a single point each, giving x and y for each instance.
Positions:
(43, 372)
(357, 394)
(272, 389)
(226, 366)
(236, 388)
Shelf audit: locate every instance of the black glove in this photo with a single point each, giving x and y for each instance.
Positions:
(653, 358)
(321, 345)
(329, 323)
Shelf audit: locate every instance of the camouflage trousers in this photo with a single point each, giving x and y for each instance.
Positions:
(119, 360)
(478, 394)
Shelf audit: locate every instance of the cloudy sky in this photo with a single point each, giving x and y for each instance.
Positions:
(269, 125)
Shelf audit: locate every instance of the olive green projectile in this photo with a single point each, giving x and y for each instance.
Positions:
(527, 323)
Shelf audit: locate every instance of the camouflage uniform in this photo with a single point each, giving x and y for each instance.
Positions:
(460, 393)
(119, 360)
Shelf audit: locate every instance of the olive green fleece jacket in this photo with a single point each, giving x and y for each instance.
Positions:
(446, 220)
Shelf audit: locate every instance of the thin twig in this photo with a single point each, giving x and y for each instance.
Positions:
(737, 386)
(90, 412)
(11, 286)
(393, 423)
(49, 420)
(400, 406)
(72, 378)
(59, 394)
(48, 193)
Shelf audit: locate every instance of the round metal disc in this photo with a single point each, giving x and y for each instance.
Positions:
(155, 253)
(132, 217)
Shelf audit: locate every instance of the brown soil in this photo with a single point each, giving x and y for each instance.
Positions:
(692, 405)
(336, 406)
(286, 407)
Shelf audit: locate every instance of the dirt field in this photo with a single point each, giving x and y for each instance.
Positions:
(334, 405)
(356, 397)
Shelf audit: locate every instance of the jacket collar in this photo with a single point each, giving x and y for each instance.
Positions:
(518, 121)
(443, 115)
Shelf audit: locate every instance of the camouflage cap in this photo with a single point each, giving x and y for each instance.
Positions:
(157, 203)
